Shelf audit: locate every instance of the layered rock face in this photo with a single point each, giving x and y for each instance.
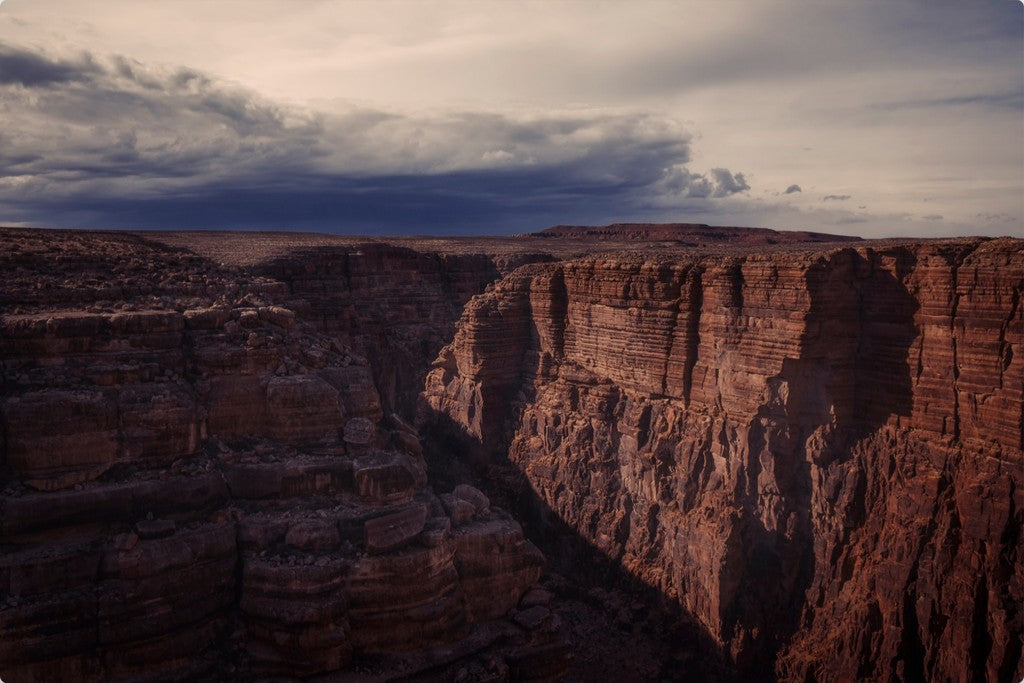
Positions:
(812, 454)
(200, 481)
(815, 455)
(395, 306)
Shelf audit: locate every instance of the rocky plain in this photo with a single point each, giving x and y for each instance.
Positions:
(627, 453)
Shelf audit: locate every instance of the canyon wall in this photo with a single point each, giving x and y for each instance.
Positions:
(396, 306)
(201, 479)
(811, 455)
(815, 455)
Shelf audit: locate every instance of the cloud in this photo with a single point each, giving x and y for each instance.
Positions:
(835, 198)
(727, 183)
(892, 102)
(990, 217)
(109, 141)
(792, 188)
(1012, 101)
(28, 69)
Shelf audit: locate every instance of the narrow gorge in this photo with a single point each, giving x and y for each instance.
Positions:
(285, 456)
(814, 456)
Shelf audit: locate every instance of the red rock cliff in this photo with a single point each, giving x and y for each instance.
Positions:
(199, 480)
(817, 455)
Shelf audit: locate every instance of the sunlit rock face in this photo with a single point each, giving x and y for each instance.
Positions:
(815, 454)
(215, 453)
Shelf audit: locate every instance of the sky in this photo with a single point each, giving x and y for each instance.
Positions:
(863, 117)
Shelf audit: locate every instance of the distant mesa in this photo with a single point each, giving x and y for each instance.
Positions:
(689, 234)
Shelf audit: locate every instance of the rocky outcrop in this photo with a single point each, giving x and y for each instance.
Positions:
(208, 486)
(393, 305)
(811, 455)
(815, 455)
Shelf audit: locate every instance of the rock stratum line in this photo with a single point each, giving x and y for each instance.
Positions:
(257, 456)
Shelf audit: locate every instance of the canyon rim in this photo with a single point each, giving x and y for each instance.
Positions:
(667, 452)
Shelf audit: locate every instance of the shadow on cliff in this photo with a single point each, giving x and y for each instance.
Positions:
(862, 323)
(395, 305)
(851, 378)
(695, 656)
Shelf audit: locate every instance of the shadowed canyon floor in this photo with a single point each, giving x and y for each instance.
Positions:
(631, 452)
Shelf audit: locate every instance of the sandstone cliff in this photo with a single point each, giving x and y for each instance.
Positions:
(810, 455)
(815, 455)
(200, 479)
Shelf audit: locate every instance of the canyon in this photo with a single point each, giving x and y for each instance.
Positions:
(669, 452)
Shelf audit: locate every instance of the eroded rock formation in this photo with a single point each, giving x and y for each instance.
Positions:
(201, 482)
(816, 455)
(812, 454)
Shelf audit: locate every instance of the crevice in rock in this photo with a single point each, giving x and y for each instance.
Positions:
(981, 641)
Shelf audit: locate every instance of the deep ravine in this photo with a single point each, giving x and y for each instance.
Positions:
(799, 463)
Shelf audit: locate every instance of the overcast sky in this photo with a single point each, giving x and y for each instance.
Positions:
(861, 117)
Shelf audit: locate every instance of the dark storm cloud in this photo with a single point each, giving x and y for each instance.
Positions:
(478, 201)
(453, 203)
(792, 188)
(143, 147)
(28, 69)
